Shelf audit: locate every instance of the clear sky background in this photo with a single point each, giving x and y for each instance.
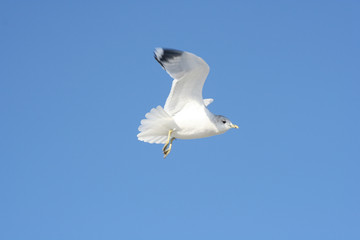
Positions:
(77, 77)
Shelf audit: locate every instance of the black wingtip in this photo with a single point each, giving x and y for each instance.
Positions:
(165, 54)
(157, 59)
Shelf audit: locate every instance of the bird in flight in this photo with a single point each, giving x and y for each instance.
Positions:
(185, 114)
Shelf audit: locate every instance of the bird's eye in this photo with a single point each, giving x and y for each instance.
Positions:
(224, 121)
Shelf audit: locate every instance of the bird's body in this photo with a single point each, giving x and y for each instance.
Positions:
(191, 118)
(185, 114)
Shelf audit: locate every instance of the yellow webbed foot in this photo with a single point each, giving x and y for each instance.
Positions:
(166, 151)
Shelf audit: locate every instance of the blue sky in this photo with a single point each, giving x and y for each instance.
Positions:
(77, 77)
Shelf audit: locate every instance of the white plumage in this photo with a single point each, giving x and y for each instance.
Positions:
(185, 114)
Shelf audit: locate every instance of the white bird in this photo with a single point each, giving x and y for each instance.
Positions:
(185, 114)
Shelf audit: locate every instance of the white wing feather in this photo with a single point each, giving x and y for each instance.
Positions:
(189, 72)
(207, 101)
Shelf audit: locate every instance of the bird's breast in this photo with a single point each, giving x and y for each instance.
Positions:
(194, 122)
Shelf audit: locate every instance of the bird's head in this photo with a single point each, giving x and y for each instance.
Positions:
(224, 124)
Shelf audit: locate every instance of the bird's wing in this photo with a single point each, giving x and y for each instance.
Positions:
(207, 101)
(189, 72)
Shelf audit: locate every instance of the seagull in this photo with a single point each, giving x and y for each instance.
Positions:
(185, 114)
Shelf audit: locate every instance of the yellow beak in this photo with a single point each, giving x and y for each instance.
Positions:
(234, 126)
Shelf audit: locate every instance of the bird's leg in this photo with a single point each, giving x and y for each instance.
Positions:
(167, 151)
(168, 140)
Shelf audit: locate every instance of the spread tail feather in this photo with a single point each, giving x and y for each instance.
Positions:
(156, 126)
